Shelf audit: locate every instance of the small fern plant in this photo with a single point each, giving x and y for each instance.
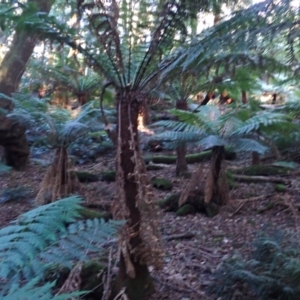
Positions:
(271, 272)
(50, 235)
(81, 85)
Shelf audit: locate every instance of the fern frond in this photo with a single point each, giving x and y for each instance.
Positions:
(4, 168)
(248, 145)
(212, 141)
(177, 137)
(35, 290)
(261, 121)
(178, 126)
(42, 237)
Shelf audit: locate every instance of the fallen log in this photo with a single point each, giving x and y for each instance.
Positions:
(245, 178)
(190, 158)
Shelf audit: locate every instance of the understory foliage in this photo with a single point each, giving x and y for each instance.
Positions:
(4, 168)
(271, 272)
(244, 128)
(47, 237)
(61, 129)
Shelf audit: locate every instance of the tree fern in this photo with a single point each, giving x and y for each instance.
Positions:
(209, 128)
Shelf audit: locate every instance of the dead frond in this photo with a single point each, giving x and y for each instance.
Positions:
(59, 180)
(196, 183)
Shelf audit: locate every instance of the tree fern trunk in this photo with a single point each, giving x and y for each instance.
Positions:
(13, 139)
(255, 158)
(244, 97)
(82, 98)
(138, 281)
(12, 67)
(216, 190)
(181, 164)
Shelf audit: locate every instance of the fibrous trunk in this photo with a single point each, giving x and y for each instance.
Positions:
(59, 181)
(133, 204)
(244, 97)
(255, 158)
(216, 189)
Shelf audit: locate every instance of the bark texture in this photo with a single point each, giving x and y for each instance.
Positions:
(255, 158)
(13, 139)
(138, 282)
(12, 134)
(244, 97)
(216, 190)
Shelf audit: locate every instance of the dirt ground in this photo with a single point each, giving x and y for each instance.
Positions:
(189, 261)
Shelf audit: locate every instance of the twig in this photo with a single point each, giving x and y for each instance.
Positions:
(122, 295)
(244, 201)
(239, 208)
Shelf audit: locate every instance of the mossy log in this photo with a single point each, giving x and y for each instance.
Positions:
(169, 203)
(185, 210)
(245, 178)
(85, 177)
(280, 188)
(190, 158)
(162, 183)
(194, 203)
(108, 176)
(261, 170)
(154, 167)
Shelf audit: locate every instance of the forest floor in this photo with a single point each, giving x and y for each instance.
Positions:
(190, 261)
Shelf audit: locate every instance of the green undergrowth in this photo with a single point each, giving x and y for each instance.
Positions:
(162, 183)
(271, 272)
(59, 235)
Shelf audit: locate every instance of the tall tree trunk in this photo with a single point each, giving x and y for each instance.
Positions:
(181, 164)
(13, 139)
(12, 68)
(244, 97)
(133, 271)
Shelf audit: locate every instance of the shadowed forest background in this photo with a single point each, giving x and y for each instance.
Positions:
(149, 149)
